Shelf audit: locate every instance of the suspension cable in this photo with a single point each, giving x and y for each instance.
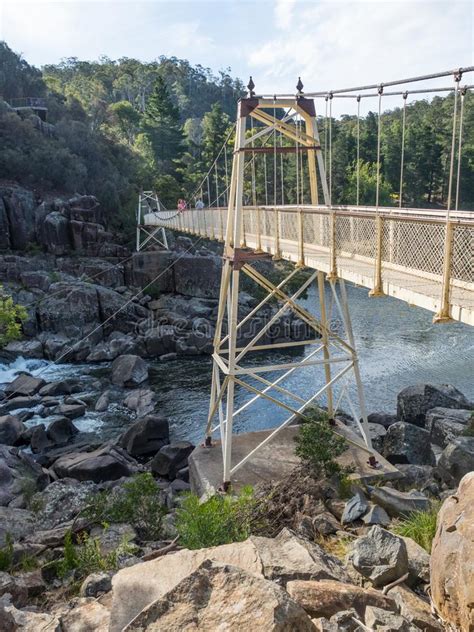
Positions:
(358, 152)
(402, 157)
(457, 79)
(458, 178)
(330, 149)
(297, 162)
(326, 98)
(274, 156)
(217, 184)
(301, 163)
(281, 172)
(254, 186)
(208, 192)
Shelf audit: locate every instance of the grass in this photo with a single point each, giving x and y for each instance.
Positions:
(137, 502)
(337, 546)
(219, 520)
(420, 526)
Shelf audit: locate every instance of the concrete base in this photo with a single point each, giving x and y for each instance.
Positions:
(275, 461)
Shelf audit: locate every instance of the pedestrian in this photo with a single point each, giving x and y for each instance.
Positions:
(199, 204)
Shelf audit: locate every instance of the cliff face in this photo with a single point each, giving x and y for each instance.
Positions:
(57, 227)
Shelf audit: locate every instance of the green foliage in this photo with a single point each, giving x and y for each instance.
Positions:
(86, 557)
(221, 519)
(318, 446)
(469, 429)
(11, 317)
(137, 502)
(153, 290)
(367, 185)
(6, 554)
(420, 526)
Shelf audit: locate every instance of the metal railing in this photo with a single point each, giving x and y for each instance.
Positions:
(392, 246)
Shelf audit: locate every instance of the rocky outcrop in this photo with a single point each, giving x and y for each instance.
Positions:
(414, 402)
(452, 558)
(380, 556)
(17, 472)
(108, 463)
(456, 460)
(282, 559)
(129, 370)
(407, 443)
(146, 436)
(397, 503)
(208, 596)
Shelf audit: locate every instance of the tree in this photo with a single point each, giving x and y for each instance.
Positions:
(162, 126)
(127, 119)
(11, 317)
(367, 185)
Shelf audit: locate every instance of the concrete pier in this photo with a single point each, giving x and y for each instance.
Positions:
(276, 460)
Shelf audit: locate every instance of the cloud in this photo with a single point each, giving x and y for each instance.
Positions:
(340, 44)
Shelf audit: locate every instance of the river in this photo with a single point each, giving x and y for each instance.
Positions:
(398, 346)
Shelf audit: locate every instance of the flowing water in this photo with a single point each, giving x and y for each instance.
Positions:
(398, 346)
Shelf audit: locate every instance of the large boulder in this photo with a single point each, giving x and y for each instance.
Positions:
(61, 430)
(20, 211)
(397, 503)
(24, 384)
(146, 436)
(327, 597)
(140, 400)
(15, 524)
(198, 276)
(380, 556)
(215, 593)
(129, 370)
(456, 460)
(406, 443)
(171, 458)
(11, 429)
(18, 472)
(444, 424)
(107, 463)
(62, 500)
(415, 401)
(281, 559)
(414, 609)
(54, 233)
(452, 558)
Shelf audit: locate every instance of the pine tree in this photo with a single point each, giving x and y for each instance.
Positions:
(162, 126)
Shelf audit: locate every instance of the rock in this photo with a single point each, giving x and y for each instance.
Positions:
(355, 508)
(107, 463)
(55, 233)
(327, 597)
(376, 515)
(141, 400)
(24, 384)
(444, 424)
(456, 460)
(418, 562)
(25, 348)
(33, 582)
(55, 537)
(336, 506)
(146, 436)
(414, 402)
(377, 434)
(281, 559)
(418, 476)
(406, 443)
(27, 621)
(62, 500)
(18, 471)
(414, 609)
(61, 387)
(452, 558)
(95, 584)
(61, 430)
(13, 586)
(89, 616)
(17, 523)
(325, 524)
(379, 619)
(39, 440)
(398, 503)
(197, 276)
(11, 429)
(72, 411)
(129, 370)
(380, 556)
(383, 419)
(171, 458)
(209, 595)
(102, 403)
(112, 536)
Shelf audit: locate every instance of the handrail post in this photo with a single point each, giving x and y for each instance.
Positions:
(378, 285)
(276, 241)
(300, 262)
(332, 275)
(213, 234)
(443, 315)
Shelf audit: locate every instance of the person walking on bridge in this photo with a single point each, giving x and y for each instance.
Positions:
(181, 205)
(199, 205)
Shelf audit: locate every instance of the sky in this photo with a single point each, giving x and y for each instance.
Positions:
(330, 44)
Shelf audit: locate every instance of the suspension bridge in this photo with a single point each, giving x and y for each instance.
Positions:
(271, 196)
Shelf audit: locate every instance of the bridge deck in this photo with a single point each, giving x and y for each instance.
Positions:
(410, 245)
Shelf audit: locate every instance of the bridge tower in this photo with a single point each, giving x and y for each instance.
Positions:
(149, 204)
(334, 353)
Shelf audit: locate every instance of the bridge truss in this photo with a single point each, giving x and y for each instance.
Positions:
(422, 256)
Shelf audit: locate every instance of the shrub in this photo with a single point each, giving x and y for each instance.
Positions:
(11, 317)
(6, 554)
(469, 429)
(219, 520)
(317, 445)
(137, 502)
(420, 526)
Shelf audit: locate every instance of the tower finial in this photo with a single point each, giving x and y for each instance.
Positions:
(299, 86)
(250, 87)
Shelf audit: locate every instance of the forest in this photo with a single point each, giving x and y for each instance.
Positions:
(117, 126)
